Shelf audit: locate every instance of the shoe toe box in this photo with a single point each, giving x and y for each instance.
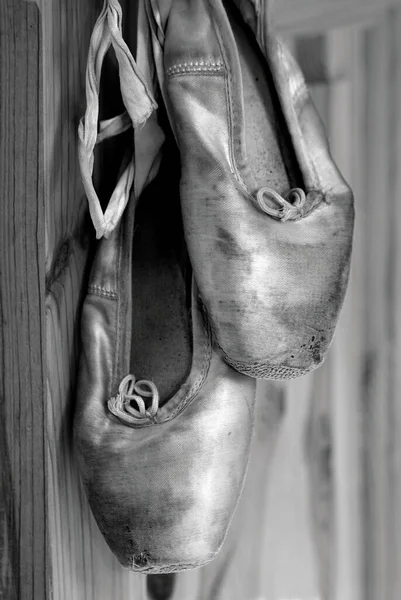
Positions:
(163, 495)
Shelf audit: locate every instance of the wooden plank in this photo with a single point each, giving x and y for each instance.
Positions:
(23, 530)
(394, 297)
(347, 144)
(381, 362)
(376, 360)
(320, 15)
(384, 452)
(290, 566)
(319, 452)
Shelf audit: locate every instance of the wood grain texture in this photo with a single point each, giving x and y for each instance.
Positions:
(346, 134)
(394, 280)
(382, 367)
(66, 28)
(289, 558)
(23, 531)
(319, 449)
(376, 400)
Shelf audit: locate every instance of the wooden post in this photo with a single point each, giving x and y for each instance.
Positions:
(381, 391)
(394, 280)
(23, 525)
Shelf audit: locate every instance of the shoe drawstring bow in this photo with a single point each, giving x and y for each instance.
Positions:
(131, 391)
(289, 208)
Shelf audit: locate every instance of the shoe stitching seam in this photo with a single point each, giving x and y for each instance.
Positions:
(198, 72)
(263, 370)
(197, 63)
(195, 66)
(98, 290)
(169, 568)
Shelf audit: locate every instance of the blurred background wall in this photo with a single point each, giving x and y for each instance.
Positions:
(320, 515)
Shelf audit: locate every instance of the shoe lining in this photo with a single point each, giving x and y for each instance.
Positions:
(268, 144)
(161, 345)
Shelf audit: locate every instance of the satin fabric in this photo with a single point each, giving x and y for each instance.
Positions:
(272, 289)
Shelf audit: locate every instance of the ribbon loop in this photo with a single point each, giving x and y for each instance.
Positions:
(138, 101)
(289, 208)
(130, 391)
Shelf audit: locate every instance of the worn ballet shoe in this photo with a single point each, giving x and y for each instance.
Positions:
(162, 424)
(268, 217)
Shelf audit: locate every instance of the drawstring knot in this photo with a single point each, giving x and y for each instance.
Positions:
(290, 207)
(130, 391)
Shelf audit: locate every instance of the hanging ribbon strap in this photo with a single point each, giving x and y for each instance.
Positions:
(139, 104)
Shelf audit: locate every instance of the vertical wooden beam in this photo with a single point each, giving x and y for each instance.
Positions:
(394, 287)
(23, 530)
(347, 143)
(382, 423)
(375, 382)
(385, 458)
